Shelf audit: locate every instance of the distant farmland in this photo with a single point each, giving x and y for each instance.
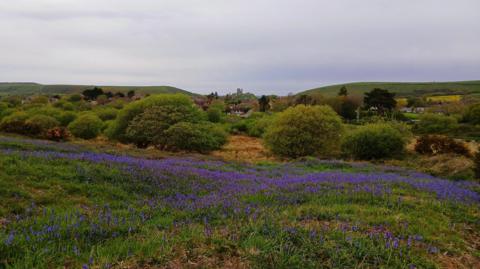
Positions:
(35, 88)
(404, 89)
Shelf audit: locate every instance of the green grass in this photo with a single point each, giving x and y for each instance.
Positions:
(404, 89)
(285, 230)
(35, 88)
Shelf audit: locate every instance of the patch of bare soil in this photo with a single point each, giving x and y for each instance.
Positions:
(244, 148)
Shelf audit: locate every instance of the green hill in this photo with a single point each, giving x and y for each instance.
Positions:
(403, 89)
(35, 88)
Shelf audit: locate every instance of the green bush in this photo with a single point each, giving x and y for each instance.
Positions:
(304, 130)
(257, 127)
(149, 127)
(215, 112)
(15, 123)
(39, 124)
(86, 126)
(172, 107)
(374, 141)
(107, 113)
(66, 117)
(199, 137)
(436, 124)
(472, 114)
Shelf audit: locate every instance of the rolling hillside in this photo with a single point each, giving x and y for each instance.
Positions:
(35, 88)
(403, 89)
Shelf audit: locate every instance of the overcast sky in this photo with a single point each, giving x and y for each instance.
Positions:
(265, 46)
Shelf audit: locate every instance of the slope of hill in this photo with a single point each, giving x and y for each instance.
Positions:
(403, 89)
(35, 88)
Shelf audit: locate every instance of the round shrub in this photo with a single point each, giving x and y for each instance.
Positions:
(374, 141)
(199, 137)
(107, 113)
(304, 130)
(66, 117)
(39, 124)
(86, 126)
(173, 108)
(439, 144)
(435, 123)
(215, 111)
(15, 123)
(472, 114)
(149, 127)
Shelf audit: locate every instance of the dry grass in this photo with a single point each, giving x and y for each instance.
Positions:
(244, 148)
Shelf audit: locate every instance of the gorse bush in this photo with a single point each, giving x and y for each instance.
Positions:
(438, 144)
(435, 124)
(199, 137)
(374, 141)
(303, 131)
(86, 126)
(173, 107)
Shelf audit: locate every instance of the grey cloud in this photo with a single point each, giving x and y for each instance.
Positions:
(270, 46)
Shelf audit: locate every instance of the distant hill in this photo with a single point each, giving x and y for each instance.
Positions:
(14, 88)
(404, 89)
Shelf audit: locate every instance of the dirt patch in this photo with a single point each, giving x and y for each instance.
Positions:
(244, 148)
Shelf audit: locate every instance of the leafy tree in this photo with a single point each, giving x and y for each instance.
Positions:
(304, 130)
(130, 94)
(264, 103)
(348, 109)
(92, 94)
(86, 126)
(381, 99)
(199, 137)
(343, 91)
(304, 99)
(374, 141)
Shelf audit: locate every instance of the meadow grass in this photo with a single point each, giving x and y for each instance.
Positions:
(66, 206)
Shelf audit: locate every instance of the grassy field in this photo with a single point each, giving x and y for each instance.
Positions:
(403, 89)
(35, 88)
(445, 98)
(64, 205)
